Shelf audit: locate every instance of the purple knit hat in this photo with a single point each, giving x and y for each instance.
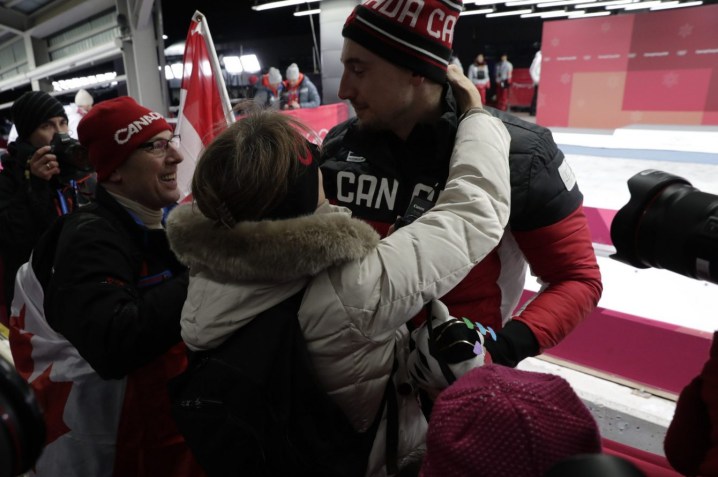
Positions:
(502, 422)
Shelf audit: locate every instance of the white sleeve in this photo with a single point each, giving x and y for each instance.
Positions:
(427, 258)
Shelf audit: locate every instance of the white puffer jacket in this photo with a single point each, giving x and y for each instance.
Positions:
(360, 291)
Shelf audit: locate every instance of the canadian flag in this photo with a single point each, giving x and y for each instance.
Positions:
(205, 109)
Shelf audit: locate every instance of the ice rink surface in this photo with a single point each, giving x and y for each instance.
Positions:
(603, 161)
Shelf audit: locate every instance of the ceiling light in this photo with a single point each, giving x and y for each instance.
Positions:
(521, 3)
(177, 70)
(561, 3)
(587, 15)
(279, 4)
(476, 12)
(506, 14)
(605, 4)
(304, 13)
(667, 5)
(634, 6)
(232, 65)
(250, 63)
(551, 14)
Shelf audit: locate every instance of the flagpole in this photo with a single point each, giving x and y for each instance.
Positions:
(216, 68)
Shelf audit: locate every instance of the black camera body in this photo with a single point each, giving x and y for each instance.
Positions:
(416, 209)
(71, 157)
(668, 224)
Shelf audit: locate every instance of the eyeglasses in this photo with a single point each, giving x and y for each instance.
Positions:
(159, 146)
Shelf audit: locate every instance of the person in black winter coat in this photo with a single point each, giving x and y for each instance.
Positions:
(37, 183)
(95, 318)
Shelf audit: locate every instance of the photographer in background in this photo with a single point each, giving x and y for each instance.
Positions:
(38, 182)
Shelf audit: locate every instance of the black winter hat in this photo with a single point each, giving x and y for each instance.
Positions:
(32, 109)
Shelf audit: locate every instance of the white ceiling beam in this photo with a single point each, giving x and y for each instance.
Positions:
(60, 15)
(13, 20)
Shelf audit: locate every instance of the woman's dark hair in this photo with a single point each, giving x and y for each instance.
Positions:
(247, 169)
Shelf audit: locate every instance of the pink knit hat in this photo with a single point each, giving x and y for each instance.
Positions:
(502, 422)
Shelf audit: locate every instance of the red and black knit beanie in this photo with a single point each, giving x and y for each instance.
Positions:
(414, 34)
(32, 109)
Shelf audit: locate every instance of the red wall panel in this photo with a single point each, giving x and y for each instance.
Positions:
(651, 68)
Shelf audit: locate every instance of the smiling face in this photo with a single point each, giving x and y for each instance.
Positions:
(382, 94)
(149, 177)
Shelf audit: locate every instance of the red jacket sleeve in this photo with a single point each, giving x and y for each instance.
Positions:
(562, 256)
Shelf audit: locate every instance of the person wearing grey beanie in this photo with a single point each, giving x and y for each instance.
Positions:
(34, 184)
(269, 89)
(299, 91)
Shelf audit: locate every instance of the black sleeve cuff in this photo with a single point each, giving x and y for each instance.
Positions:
(513, 343)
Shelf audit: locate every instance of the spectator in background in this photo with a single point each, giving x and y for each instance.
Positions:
(269, 90)
(299, 91)
(95, 325)
(500, 422)
(398, 147)
(479, 75)
(36, 184)
(535, 72)
(252, 86)
(504, 70)
(454, 60)
(82, 105)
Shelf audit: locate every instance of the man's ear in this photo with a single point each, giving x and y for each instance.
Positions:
(416, 79)
(115, 177)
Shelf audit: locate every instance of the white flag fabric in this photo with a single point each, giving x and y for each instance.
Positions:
(205, 109)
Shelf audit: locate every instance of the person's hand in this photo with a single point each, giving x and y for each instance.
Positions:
(44, 165)
(294, 105)
(467, 96)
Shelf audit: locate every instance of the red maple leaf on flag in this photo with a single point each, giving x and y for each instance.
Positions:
(20, 345)
(52, 397)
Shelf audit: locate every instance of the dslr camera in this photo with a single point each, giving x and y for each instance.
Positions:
(668, 224)
(71, 156)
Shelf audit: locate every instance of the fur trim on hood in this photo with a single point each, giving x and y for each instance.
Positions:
(268, 250)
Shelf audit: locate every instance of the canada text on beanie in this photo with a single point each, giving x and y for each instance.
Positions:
(32, 109)
(497, 421)
(113, 129)
(415, 34)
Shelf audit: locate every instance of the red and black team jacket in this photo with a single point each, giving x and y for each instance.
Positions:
(375, 174)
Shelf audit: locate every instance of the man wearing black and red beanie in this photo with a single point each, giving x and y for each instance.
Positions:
(395, 57)
(95, 321)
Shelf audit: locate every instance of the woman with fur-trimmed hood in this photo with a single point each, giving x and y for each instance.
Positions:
(260, 231)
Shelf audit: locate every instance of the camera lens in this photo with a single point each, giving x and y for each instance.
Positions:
(668, 224)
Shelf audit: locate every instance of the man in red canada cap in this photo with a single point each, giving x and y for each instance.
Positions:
(95, 329)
